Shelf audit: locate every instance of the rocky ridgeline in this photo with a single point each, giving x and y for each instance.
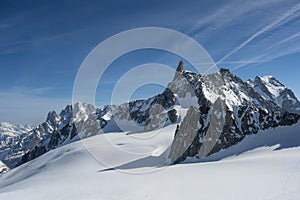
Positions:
(228, 110)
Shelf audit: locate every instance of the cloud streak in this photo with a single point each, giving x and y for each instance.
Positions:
(226, 14)
(237, 17)
(292, 37)
(277, 21)
(269, 56)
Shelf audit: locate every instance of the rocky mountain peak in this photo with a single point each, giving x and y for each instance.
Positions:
(270, 79)
(245, 107)
(66, 114)
(224, 71)
(52, 117)
(180, 67)
(81, 111)
(272, 90)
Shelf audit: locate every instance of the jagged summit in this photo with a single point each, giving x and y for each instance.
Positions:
(273, 90)
(180, 67)
(224, 71)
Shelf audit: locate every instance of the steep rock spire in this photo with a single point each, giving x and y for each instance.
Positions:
(180, 67)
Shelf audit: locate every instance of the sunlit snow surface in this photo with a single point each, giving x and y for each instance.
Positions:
(262, 166)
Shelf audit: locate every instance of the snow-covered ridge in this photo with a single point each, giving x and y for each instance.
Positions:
(12, 130)
(11, 136)
(273, 85)
(271, 89)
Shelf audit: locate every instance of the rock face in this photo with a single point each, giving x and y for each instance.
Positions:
(185, 138)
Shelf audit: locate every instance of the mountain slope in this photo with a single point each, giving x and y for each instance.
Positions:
(266, 167)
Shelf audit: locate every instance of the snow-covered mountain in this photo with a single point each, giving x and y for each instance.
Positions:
(10, 130)
(271, 89)
(14, 139)
(228, 110)
(213, 112)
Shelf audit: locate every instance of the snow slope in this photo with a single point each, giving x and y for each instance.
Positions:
(262, 166)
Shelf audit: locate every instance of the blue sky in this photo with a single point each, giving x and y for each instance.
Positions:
(43, 43)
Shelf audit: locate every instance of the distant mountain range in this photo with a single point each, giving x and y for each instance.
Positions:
(213, 112)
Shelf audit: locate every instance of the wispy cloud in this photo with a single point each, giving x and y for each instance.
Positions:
(30, 91)
(270, 55)
(237, 19)
(229, 13)
(288, 39)
(263, 30)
